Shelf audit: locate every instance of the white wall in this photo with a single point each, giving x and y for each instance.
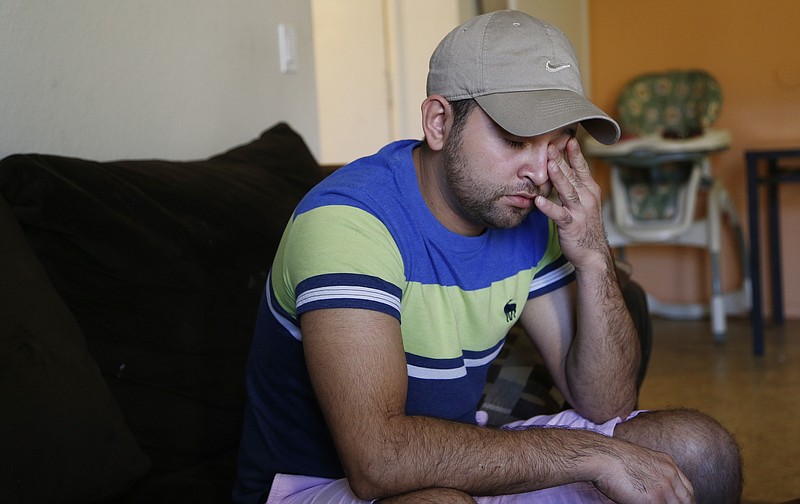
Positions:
(352, 88)
(372, 62)
(419, 26)
(177, 79)
(184, 79)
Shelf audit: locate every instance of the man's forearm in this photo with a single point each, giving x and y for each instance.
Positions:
(604, 359)
(422, 452)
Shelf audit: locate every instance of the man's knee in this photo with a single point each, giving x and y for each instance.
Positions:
(704, 450)
(714, 457)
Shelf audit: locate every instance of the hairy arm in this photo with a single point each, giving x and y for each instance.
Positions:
(584, 331)
(357, 367)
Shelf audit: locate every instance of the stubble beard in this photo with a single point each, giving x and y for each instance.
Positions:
(480, 201)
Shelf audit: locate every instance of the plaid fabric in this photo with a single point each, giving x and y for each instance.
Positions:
(518, 385)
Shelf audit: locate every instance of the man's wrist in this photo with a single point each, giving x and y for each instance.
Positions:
(601, 265)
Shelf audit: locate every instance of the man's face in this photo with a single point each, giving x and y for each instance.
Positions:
(493, 175)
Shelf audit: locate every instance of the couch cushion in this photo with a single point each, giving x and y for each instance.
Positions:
(63, 436)
(163, 264)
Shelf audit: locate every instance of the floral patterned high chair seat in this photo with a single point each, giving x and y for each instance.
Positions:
(675, 104)
(666, 120)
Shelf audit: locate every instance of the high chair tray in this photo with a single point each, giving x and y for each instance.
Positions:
(711, 140)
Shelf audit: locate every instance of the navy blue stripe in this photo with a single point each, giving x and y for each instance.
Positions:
(363, 304)
(349, 279)
(553, 286)
(552, 266)
(431, 363)
(480, 354)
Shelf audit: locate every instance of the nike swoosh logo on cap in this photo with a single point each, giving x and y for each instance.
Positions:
(555, 68)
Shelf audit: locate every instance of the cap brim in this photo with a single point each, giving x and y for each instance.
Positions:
(531, 113)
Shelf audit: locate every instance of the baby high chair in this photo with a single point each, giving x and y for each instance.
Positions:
(659, 168)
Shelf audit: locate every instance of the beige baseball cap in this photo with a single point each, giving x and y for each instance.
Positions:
(522, 72)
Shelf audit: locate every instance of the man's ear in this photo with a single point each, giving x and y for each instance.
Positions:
(436, 120)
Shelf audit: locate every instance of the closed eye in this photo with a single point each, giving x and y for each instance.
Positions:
(514, 144)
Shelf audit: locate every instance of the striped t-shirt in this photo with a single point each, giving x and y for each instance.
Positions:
(364, 238)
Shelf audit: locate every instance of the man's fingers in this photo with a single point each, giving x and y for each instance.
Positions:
(576, 159)
(553, 211)
(564, 180)
(570, 161)
(577, 176)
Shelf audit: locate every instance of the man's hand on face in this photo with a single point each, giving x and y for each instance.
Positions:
(579, 216)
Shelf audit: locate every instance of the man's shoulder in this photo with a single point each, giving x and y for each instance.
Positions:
(367, 183)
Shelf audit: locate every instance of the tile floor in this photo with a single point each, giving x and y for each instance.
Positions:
(757, 398)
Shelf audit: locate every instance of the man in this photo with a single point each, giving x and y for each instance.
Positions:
(389, 295)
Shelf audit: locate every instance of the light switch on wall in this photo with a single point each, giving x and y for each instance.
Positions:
(287, 46)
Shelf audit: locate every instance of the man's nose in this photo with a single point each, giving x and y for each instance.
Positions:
(534, 166)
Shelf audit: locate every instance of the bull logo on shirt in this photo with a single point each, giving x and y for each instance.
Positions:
(510, 309)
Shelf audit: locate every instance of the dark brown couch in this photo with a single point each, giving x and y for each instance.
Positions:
(128, 294)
